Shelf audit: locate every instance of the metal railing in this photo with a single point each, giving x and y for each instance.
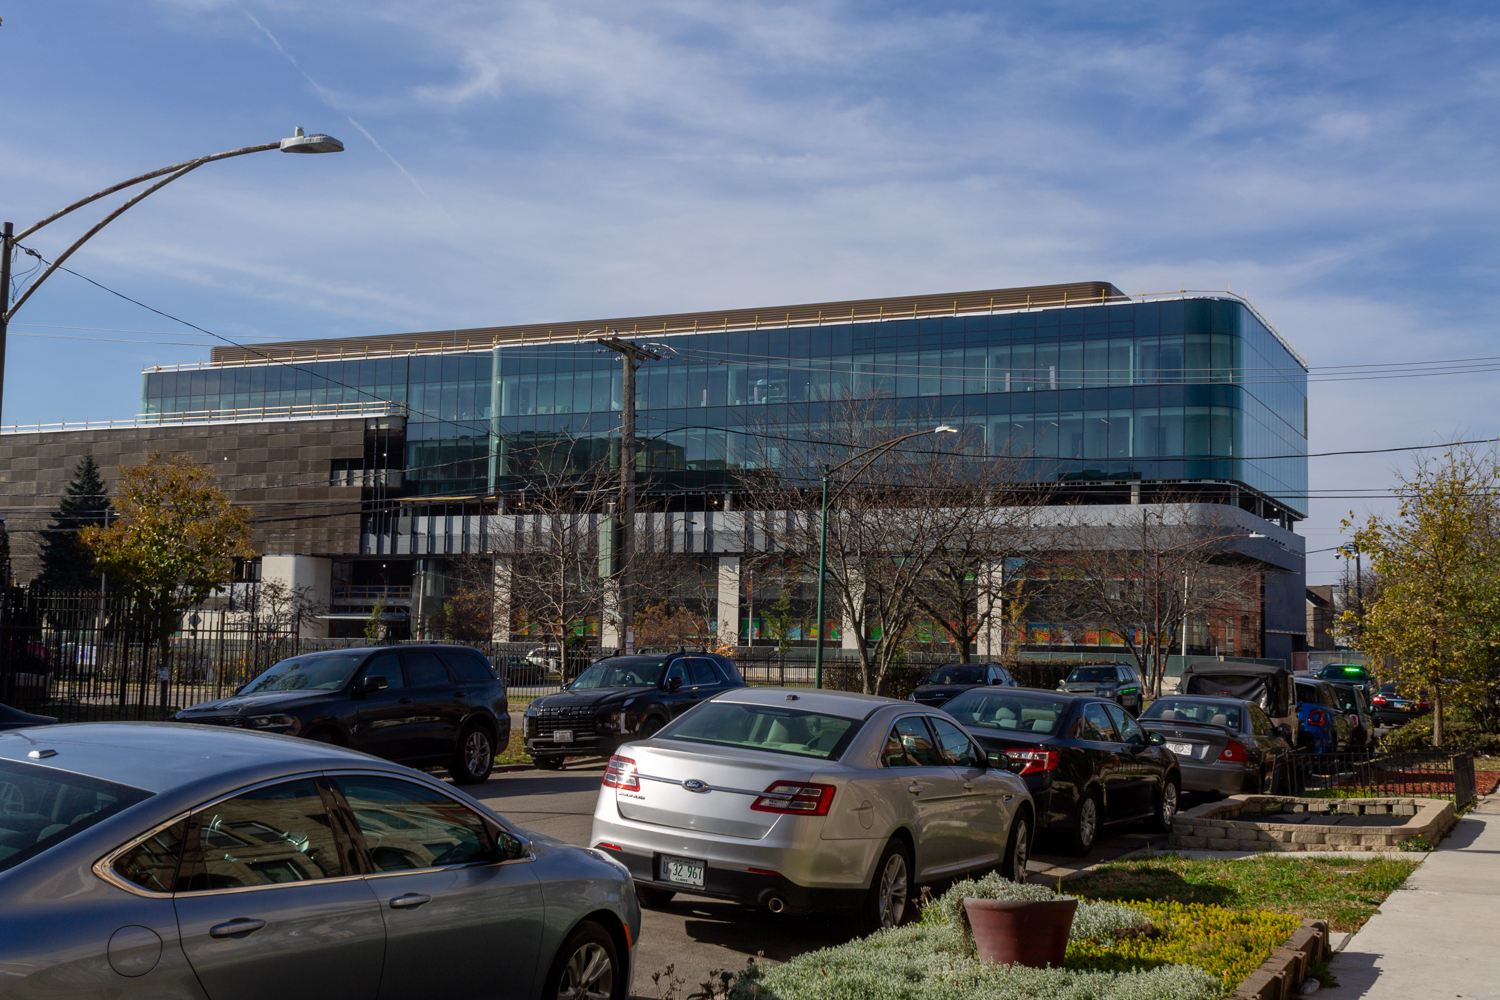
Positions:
(1378, 774)
(251, 414)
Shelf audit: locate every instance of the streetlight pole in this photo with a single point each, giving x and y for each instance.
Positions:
(882, 448)
(9, 239)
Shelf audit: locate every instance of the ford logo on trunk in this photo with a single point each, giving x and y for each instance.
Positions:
(694, 785)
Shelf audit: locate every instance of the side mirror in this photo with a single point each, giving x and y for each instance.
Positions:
(673, 683)
(995, 682)
(1284, 731)
(1156, 740)
(371, 683)
(998, 760)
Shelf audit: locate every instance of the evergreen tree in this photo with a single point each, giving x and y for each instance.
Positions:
(66, 564)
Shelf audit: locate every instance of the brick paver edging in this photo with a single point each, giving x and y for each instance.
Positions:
(1281, 976)
(1214, 826)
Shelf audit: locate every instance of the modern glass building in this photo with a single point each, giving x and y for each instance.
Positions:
(1092, 388)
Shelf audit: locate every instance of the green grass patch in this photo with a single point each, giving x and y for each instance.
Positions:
(1344, 891)
(515, 750)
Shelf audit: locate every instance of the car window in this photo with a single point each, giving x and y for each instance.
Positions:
(423, 668)
(954, 744)
(910, 745)
(314, 672)
(1129, 731)
(1092, 675)
(677, 670)
(703, 671)
(152, 864)
(467, 667)
(1096, 724)
(1329, 698)
(1008, 709)
(280, 833)
(1260, 724)
(41, 807)
(386, 665)
(407, 826)
(771, 728)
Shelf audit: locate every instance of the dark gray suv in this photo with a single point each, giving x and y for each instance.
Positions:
(418, 705)
(1116, 681)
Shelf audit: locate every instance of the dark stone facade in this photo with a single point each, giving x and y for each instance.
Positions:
(280, 469)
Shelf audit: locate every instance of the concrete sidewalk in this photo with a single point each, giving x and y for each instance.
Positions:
(1435, 937)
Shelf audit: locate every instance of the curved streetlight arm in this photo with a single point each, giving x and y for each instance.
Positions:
(882, 448)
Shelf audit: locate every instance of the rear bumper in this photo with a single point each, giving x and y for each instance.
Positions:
(1231, 779)
(757, 888)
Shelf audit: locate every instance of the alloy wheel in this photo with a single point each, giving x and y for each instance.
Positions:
(1168, 804)
(477, 751)
(1088, 821)
(893, 891)
(1022, 853)
(589, 974)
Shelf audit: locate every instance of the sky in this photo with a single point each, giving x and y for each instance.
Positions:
(517, 162)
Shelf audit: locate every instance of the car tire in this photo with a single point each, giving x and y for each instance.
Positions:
(1017, 848)
(1167, 801)
(588, 964)
(653, 898)
(889, 901)
(1083, 827)
(473, 756)
(547, 763)
(650, 726)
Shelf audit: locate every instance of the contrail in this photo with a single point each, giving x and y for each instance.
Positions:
(328, 99)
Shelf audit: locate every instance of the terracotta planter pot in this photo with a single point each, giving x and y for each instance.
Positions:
(1032, 932)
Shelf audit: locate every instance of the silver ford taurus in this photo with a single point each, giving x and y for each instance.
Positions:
(144, 860)
(810, 800)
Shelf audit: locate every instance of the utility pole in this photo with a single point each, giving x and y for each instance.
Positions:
(632, 357)
(7, 239)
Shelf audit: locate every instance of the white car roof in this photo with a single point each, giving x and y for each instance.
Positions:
(847, 704)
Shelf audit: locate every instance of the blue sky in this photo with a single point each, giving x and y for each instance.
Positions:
(527, 161)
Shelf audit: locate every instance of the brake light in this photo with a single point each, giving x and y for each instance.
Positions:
(1317, 719)
(1234, 752)
(792, 799)
(621, 774)
(1034, 761)
(609, 847)
(1379, 699)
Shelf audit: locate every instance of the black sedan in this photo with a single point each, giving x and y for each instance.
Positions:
(418, 705)
(953, 679)
(619, 700)
(1394, 709)
(1086, 762)
(1223, 745)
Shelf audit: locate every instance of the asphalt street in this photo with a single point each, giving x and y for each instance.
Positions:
(697, 937)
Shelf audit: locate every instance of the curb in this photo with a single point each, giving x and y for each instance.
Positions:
(1281, 976)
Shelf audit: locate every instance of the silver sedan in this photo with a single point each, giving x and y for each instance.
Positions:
(810, 800)
(143, 860)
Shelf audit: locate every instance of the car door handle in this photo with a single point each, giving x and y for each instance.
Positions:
(915, 787)
(235, 927)
(409, 900)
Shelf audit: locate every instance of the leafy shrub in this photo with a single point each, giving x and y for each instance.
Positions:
(1417, 735)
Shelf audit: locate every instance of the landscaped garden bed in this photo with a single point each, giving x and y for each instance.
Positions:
(1153, 950)
(1289, 823)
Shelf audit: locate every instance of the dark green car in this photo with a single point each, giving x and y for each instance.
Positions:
(1117, 681)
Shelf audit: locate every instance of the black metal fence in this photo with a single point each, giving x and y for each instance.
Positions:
(1363, 774)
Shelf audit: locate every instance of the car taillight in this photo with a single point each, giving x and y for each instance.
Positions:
(793, 799)
(1316, 719)
(1034, 761)
(621, 774)
(1234, 752)
(1379, 699)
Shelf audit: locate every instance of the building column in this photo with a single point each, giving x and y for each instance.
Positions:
(729, 601)
(611, 636)
(500, 616)
(310, 575)
(991, 611)
(849, 637)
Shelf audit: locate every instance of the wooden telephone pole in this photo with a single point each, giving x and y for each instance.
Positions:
(632, 357)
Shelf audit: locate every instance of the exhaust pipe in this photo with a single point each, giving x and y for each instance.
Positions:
(776, 904)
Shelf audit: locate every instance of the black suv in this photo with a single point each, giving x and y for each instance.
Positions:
(953, 679)
(419, 705)
(620, 699)
(1119, 683)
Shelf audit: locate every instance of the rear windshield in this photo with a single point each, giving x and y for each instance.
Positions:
(41, 807)
(621, 672)
(766, 727)
(1093, 675)
(961, 674)
(989, 708)
(1215, 713)
(321, 672)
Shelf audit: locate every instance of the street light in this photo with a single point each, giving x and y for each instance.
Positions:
(298, 142)
(1156, 588)
(883, 447)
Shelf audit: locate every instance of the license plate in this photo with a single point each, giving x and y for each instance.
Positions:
(1181, 749)
(562, 736)
(683, 871)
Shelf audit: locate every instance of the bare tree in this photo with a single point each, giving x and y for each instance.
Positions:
(895, 520)
(1140, 572)
(281, 608)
